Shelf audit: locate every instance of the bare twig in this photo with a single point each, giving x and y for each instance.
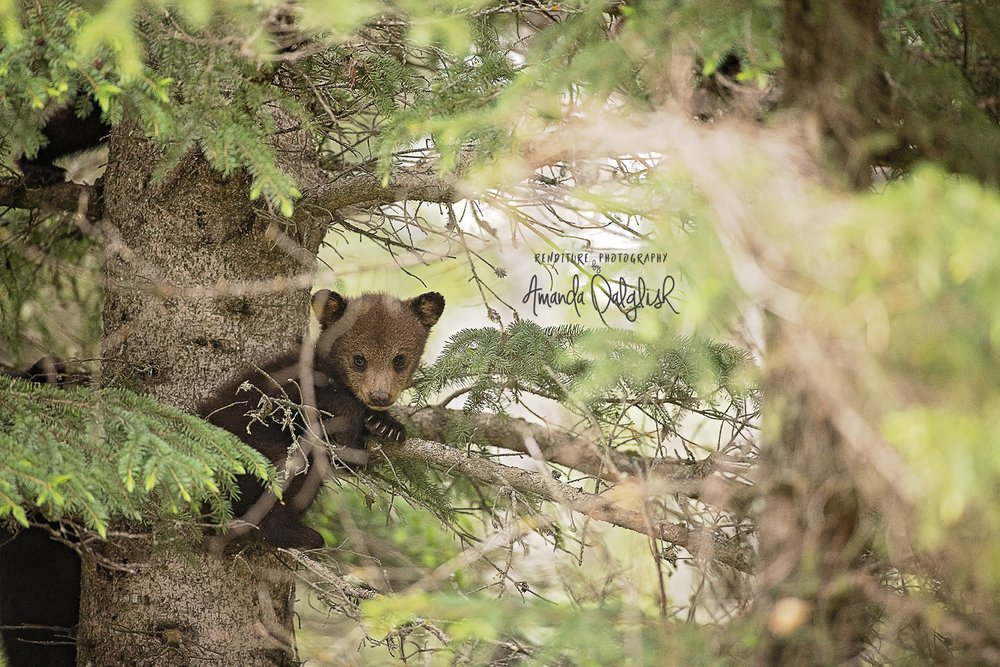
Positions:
(702, 543)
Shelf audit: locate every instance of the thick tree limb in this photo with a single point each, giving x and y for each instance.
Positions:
(59, 197)
(365, 189)
(561, 447)
(701, 543)
(356, 189)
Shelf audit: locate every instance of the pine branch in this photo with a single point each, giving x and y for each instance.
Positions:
(561, 447)
(701, 543)
(359, 189)
(93, 455)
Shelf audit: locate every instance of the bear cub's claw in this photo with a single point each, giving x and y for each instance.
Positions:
(381, 424)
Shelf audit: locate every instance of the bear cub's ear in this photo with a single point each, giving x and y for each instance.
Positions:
(328, 307)
(428, 307)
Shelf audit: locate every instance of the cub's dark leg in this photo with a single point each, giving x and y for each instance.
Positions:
(40, 592)
(283, 528)
(383, 425)
(39, 578)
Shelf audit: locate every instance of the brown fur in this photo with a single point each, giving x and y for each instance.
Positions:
(350, 395)
(379, 329)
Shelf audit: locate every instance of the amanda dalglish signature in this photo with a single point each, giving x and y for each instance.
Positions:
(602, 293)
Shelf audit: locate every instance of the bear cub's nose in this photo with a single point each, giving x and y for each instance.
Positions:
(380, 398)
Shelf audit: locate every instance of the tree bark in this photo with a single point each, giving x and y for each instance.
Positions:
(200, 283)
(185, 609)
(812, 530)
(832, 53)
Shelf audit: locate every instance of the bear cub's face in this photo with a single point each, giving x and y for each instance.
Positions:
(373, 342)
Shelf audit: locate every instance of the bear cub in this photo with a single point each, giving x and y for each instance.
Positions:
(365, 355)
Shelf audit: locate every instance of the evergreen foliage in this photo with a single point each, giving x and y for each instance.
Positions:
(457, 78)
(481, 99)
(48, 294)
(93, 455)
(418, 486)
(65, 55)
(605, 372)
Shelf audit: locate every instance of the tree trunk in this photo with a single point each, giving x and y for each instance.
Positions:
(812, 533)
(198, 286)
(185, 609)
(832, 52)
(812, 530)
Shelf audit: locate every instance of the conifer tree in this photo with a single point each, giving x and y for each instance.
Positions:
(796, 437)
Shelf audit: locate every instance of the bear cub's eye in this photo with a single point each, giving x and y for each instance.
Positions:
(360, 362)
(398, 362)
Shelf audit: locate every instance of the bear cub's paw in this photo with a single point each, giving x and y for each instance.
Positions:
(383, 425)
